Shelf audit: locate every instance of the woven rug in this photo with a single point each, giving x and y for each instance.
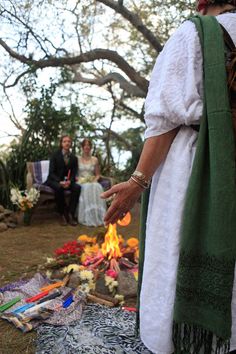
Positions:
(101, 330)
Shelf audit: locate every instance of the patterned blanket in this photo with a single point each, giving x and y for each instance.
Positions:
(101, 330)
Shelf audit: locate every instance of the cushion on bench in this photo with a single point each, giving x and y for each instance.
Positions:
(43, 188)
(40, 171)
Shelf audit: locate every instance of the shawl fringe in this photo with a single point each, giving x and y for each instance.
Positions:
(192, 339)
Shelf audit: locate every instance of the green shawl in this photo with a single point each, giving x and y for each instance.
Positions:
(202, 311)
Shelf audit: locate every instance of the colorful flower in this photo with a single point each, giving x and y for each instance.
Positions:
(110, 283)
(120, 298)
(72, 248)
(84, 239)
(74, 267)
(86, 275)
(111, 273)
(132, 242)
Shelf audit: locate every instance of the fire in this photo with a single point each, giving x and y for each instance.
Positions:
(110, 247)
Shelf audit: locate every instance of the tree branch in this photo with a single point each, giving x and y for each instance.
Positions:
(130, 89)
(36, 37)
(118, 137)
(135, 20)
(12, 117)
(17, 79)
(131, 110)
(92, 55)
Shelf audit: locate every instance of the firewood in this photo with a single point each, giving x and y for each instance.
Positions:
(127, 263)
(99, 300)
(114, 265)
(106, 297)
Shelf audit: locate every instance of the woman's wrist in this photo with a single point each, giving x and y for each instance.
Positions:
(136, 185)
(141, 179)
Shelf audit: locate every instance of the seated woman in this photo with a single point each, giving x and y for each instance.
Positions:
(91, 208)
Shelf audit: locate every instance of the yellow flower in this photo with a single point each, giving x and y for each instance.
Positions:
(83, 257)
(91, 285)
(132, 242)
(110, 283)
(75, 267)
(86, 275)
(84, 288)
(48, 274)
(120, 298)
(91, 250)
(108, 280)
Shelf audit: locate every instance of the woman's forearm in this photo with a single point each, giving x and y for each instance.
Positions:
(154, 151)
(127, 193)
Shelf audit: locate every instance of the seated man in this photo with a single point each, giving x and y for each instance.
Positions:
(63, 169)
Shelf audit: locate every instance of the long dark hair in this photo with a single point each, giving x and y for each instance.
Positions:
(61, 139)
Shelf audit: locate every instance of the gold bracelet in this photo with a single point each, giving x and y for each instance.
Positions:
(142, 178)
(140, 183)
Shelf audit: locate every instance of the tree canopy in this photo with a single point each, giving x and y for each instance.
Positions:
(98, 53)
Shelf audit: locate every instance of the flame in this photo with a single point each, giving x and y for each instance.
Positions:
(110, 247)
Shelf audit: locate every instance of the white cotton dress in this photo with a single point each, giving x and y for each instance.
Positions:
(174, 99)
(91, 208)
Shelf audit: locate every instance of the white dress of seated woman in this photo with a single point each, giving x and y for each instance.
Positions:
(92, 208)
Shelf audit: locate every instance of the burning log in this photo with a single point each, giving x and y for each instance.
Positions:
(126, 263)
(110, 247)
(114, 265)
(130, 255)
(108, 268)
(93, 260)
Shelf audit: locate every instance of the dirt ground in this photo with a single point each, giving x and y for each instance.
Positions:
(25, 248)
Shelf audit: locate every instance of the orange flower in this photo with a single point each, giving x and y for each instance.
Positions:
(91, 250)
(132, 242)
(84, 238)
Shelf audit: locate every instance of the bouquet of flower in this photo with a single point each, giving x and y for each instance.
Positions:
(25, 200)
(87, 179)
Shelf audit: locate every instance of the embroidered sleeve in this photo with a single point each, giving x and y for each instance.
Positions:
(175, 90)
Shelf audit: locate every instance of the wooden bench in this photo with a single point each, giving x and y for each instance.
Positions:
(36, 175)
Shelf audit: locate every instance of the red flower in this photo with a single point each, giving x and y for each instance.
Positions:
(69, 248)
(111, 273)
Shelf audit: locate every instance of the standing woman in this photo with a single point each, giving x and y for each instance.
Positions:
(188, 293)
(91, 208)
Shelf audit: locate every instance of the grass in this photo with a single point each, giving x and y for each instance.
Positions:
(24, 249)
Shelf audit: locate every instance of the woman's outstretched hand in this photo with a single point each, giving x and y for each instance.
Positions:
(124, 195)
